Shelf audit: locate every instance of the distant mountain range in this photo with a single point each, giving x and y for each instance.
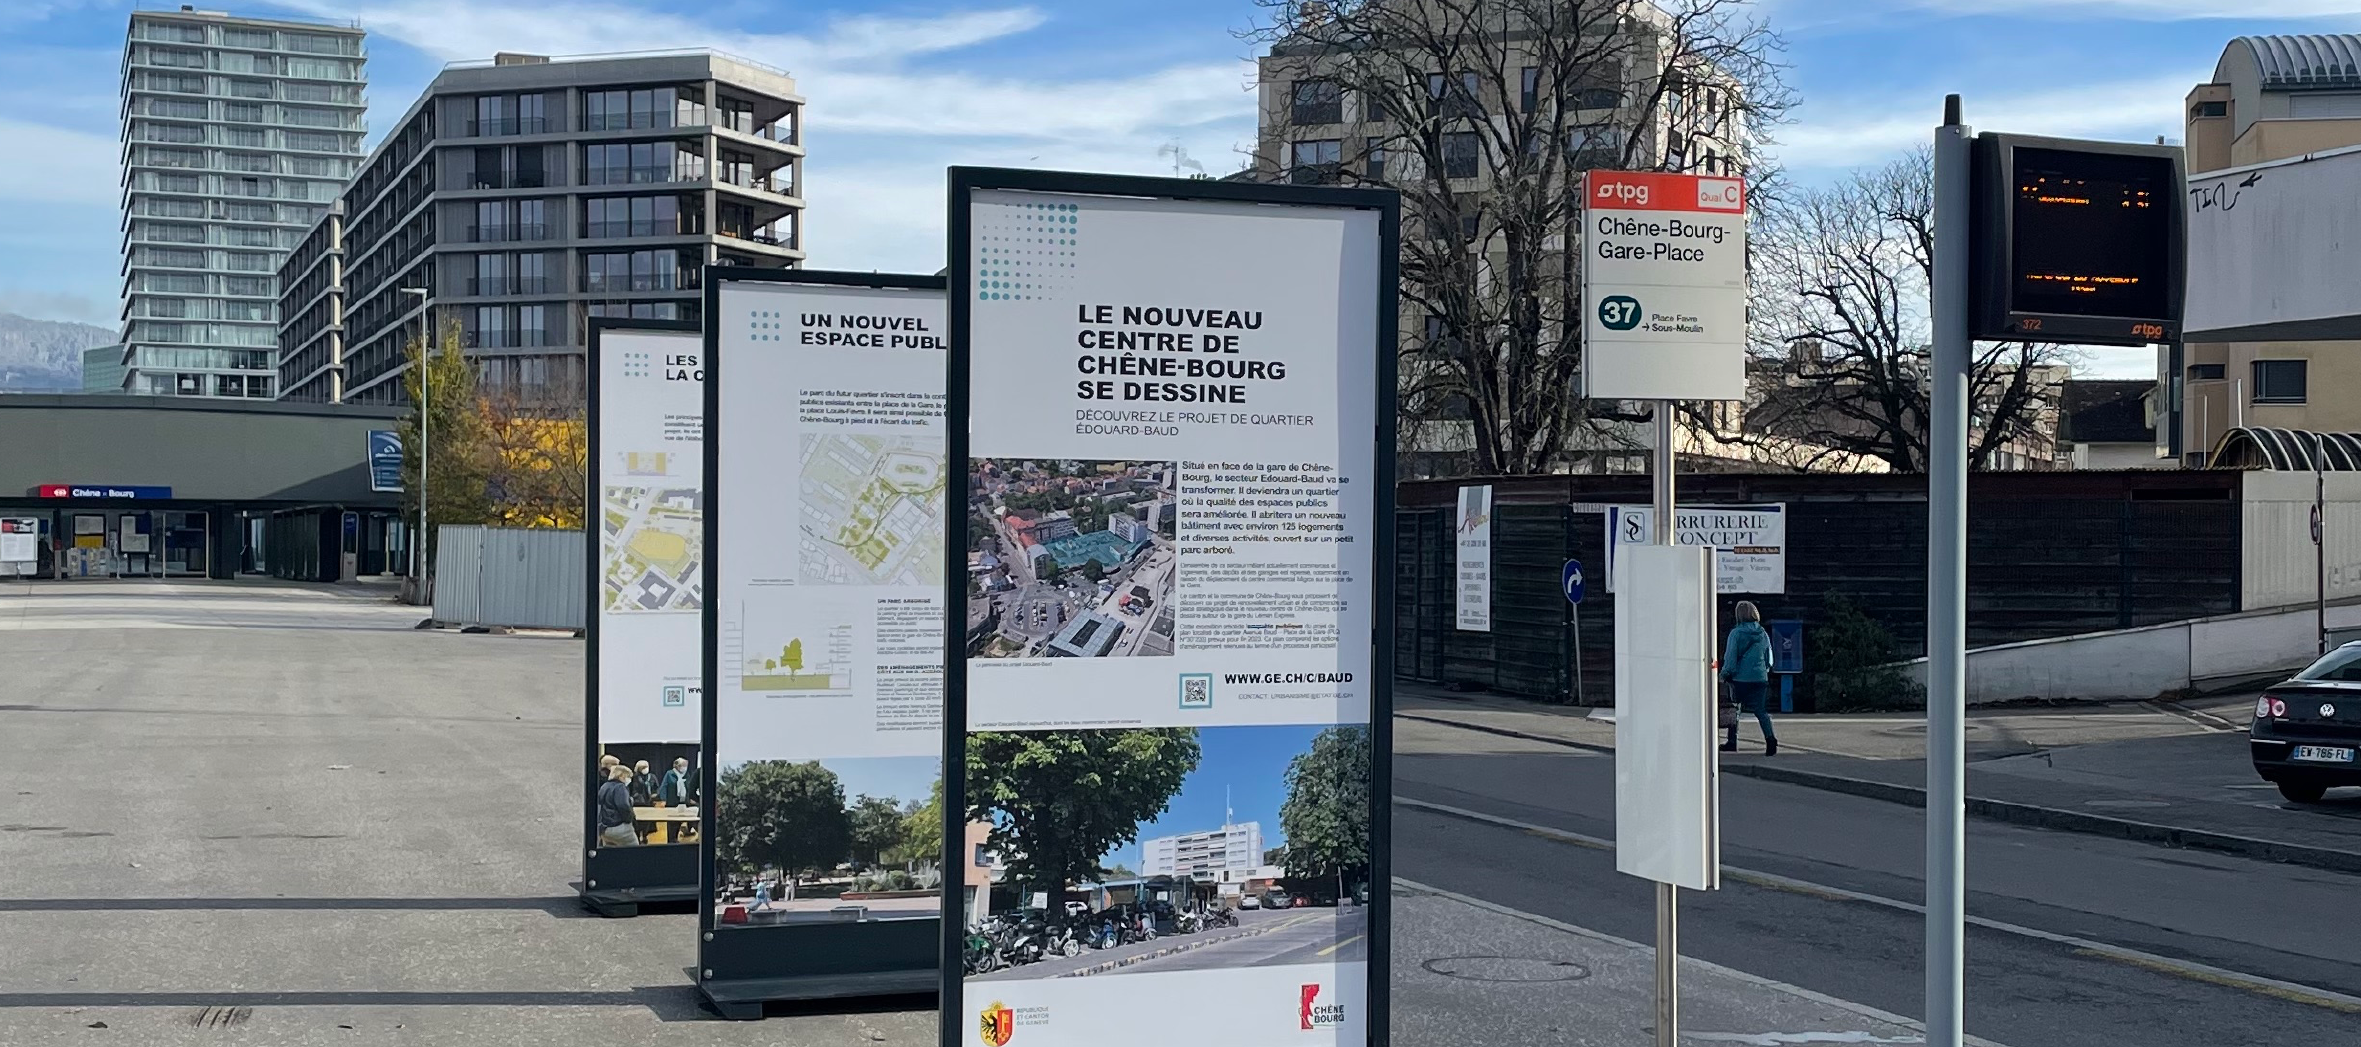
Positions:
(45, 356)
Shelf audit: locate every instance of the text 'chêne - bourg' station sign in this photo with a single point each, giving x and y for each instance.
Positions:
(120, 491)
(1664, 286)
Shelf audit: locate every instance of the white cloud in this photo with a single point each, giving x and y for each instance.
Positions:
(58, 166)
(2148, 10)
(2130, 109)
(885, 118)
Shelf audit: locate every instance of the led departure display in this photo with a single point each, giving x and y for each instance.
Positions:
(2078, 241)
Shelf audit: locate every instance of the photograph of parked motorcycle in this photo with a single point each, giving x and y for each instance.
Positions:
(1018, 937)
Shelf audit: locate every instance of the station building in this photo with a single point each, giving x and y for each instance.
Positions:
(144, 486)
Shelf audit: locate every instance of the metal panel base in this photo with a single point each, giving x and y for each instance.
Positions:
(627, 902)
(616, 881)
(743, 999)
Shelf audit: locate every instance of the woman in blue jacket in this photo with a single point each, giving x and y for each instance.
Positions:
(1746, 663)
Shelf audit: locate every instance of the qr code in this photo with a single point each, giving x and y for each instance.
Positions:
(1196, 691)
(675, 697)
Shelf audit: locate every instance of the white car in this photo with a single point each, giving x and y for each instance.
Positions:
(1249, 902)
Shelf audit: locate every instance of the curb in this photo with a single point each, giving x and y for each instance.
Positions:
(2030, 815)
(2034, 816)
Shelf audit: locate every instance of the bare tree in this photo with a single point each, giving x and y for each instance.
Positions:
(1839, 321)
(1484, 113)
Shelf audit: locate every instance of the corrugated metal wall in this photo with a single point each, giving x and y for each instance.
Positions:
(505, 576)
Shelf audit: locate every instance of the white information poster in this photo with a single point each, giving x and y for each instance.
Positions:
(649, 511)
(651, 506)
(1171, 493)
(1663, 286)
(829, 601)
(1750, 541)
(20, 540)
(1475, 558)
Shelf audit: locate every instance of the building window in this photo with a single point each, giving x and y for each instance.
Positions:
(1317, 102)
(491, 327)
(1315, 163)
(487, 169)
(2208, 372)
(491, 275)
(532, 325)
(1373, 160)
(2279, 381)
(1461, 154)
(1372, 108)
(1454, 96)
(1595, 96)
(2205, 110)
(1529, 94)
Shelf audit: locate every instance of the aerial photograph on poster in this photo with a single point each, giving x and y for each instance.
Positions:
(1144, 851)
(799, 841)
(872, 509)
(1070, 558)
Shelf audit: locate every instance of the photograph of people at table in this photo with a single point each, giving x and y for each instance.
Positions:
(655, 795)
(1150, 850)
(821, 839)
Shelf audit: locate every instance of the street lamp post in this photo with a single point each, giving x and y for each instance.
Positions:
(425, 353)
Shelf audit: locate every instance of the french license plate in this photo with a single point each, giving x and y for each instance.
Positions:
(2323, 754)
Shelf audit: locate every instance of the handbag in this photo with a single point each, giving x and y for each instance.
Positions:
(1727, 713)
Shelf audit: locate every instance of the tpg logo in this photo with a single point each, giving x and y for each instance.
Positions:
(1624, 192)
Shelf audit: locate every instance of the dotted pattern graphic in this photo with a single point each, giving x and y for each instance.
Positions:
(636, 365)
(758, 322)
(1024, 250)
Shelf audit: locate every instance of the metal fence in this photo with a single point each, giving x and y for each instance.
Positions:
(2049, 555)
(505, 576)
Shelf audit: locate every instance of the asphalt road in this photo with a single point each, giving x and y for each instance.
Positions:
(2184, 908)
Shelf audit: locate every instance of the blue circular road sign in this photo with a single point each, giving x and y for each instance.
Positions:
(1571, 581)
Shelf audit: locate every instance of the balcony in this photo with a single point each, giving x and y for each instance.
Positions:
(503, 234)
(759, 182)
(639, 227)
(495, 285)
(514, 125)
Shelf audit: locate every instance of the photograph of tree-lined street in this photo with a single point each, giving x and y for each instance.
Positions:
(1071, 559)
(799, 839)
(1164, 849)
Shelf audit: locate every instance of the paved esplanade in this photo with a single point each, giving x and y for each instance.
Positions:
(255, 814)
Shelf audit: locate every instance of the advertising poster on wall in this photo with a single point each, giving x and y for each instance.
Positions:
(1750, 541)
(1475, 558)
(1172, 418)
(826, 634)
(647, 587)
(20, 543)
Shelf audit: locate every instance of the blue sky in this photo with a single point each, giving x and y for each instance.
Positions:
(900, 89)
(1242, 769)
(901, 779)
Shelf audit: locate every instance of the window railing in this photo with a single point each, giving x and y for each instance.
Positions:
(495, 234)
(1316, 174)
(632, 227)
(763, 182)
(759, 236)
(514, 125)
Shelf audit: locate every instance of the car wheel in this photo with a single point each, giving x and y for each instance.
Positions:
(2300, 791)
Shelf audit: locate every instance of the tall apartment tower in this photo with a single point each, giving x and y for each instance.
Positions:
(237, 134)
(525, 195)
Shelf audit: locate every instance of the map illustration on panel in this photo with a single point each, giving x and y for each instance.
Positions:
(872, 508)
(652, 554)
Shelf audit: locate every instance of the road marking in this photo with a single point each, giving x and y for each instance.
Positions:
(1339, 945)
(1691, 962)
(2293, 992)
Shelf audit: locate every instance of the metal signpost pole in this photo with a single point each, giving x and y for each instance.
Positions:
(2320, 536)
(1668, 928)
(1947, 434)
(425, 356)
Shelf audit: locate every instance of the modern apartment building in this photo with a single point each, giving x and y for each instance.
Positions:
(2271, 98)
(237, 133)
(1203, 855)
(527, 194)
